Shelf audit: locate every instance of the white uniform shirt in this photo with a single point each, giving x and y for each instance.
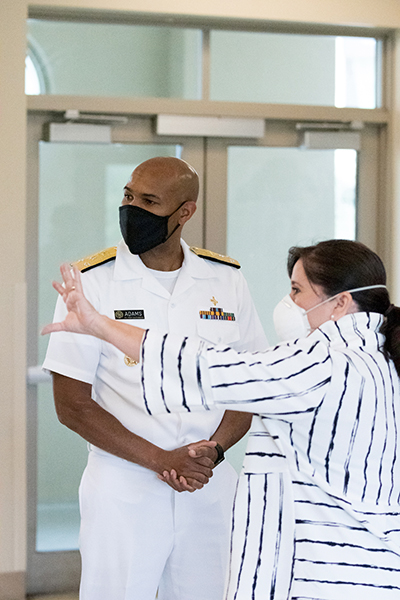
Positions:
(126, 286)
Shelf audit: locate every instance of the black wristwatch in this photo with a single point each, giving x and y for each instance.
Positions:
(221, 454)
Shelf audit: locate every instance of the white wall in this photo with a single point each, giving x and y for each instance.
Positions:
(385, 13)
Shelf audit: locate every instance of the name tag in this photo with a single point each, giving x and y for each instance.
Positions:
(137, 313)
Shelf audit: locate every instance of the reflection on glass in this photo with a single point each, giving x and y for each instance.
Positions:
(281, 197)
(355, 83)
(118, 60)
(80, 192)
(345, 194)
(293, 69)
(32, 81)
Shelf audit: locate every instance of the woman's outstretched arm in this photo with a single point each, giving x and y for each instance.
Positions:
(82, 317)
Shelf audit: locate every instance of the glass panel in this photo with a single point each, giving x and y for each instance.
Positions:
(282, 197)
(118, 60)
(80, 192)
(293, 69)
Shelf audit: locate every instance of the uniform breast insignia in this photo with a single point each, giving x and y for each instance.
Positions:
(130, 362)
(94, 260)
(214, 256)
(216, 314)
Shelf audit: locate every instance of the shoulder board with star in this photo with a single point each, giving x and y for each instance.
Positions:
(95, 260)
(214, 256)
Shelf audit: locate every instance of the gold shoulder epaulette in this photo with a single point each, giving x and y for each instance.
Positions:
(94, 260)
(226, 260)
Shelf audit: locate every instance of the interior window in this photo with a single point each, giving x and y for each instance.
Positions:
(293, 69)
(119, 60)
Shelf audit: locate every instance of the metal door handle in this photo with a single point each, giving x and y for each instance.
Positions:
(36, 375)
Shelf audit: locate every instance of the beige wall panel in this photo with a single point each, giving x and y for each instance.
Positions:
(12, 290)
(393, 173)
(12, 586)
(385, 13)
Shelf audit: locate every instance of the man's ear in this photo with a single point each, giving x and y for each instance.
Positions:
(187, 211)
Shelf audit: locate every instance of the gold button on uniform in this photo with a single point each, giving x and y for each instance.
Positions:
(130, 362)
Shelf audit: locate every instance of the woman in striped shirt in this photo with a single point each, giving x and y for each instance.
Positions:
(317, 511)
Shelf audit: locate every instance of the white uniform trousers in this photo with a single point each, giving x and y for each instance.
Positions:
(138, 535)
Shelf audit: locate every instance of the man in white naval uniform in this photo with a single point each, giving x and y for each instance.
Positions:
(138, 535)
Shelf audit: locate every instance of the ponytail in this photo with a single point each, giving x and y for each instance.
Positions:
(391, 330)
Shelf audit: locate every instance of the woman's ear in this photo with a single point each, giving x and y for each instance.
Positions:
(344, 305)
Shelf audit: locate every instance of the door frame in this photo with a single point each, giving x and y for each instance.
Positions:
(60, 571)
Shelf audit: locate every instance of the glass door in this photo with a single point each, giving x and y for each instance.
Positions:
(74, 213)
(261, 199)
(274, 197)
(80, 191)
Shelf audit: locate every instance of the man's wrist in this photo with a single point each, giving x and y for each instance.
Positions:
(220, 456)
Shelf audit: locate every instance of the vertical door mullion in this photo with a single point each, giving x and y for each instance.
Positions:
(193, 153)
(369, 216)
(216, 192)
(205, 65)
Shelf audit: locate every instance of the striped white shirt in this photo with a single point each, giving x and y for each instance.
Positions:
(317, 512)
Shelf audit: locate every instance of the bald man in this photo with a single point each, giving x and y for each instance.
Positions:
(139, 534)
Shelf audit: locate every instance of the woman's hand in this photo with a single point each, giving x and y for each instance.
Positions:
(81, 317)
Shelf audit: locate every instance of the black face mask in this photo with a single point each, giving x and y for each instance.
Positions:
(143, 230)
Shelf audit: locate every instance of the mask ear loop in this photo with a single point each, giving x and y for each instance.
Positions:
(359, 289)
(172, 232)
(169, 216)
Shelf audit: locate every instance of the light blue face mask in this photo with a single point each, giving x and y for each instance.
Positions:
(291, 321)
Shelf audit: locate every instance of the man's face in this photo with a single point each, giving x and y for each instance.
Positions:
(152, 191)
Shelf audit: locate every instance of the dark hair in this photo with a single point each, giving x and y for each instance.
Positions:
(341, 265)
